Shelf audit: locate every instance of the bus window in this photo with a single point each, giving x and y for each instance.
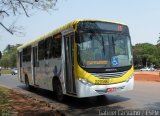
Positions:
(27, 54)
(48, 48)
(56, 51)
(41, 50)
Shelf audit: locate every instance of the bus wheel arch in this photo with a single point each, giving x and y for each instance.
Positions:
(57, 89)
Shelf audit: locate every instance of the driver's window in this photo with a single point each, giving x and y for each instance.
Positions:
(120, 48)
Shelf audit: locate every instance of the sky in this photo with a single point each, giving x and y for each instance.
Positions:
(142, 17)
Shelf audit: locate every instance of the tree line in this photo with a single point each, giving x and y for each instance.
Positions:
(9, 56)
(144, 54)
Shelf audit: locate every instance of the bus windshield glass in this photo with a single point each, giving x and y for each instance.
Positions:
(104, 50)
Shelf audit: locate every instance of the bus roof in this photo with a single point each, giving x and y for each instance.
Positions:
(69, 25)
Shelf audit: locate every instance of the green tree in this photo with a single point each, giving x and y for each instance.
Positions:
(158, 54)
(158, 42)
(9, 57)
(146, 54)
(0, 54)
(5, 61)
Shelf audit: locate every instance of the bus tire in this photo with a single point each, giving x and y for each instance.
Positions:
(58, 90)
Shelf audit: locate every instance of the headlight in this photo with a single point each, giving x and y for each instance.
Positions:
(130, 78)
(84, 81)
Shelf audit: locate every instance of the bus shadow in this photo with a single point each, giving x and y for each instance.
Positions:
(73, 103)
(90, 102)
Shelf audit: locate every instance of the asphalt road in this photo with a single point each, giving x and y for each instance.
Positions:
(145, 99)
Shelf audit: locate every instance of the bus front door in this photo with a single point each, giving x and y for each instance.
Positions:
(69, 64)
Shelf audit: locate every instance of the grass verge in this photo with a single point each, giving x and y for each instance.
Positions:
(14, 103)
(5, 71)
(4, 103)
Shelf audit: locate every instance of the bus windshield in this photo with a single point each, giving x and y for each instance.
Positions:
(104, 50)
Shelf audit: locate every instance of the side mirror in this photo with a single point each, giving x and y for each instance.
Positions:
(0, 54)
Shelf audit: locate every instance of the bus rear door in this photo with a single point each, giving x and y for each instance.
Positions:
(34, 65)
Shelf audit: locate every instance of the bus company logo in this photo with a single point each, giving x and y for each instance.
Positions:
(103, 81)
(108, 70)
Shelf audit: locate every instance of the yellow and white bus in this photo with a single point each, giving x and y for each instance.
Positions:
(83, 58)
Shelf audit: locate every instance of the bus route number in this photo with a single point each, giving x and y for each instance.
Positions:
(103, 81)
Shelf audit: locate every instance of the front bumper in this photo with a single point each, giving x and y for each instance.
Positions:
(88, 90)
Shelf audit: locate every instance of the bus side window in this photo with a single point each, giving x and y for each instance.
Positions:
(27, 54)
(48, 46)
(41, 50)
(56, 46)
(20, 59)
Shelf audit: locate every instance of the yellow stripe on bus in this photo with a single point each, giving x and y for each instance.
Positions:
(94, 80)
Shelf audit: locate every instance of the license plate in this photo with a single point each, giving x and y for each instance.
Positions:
(111, 89)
